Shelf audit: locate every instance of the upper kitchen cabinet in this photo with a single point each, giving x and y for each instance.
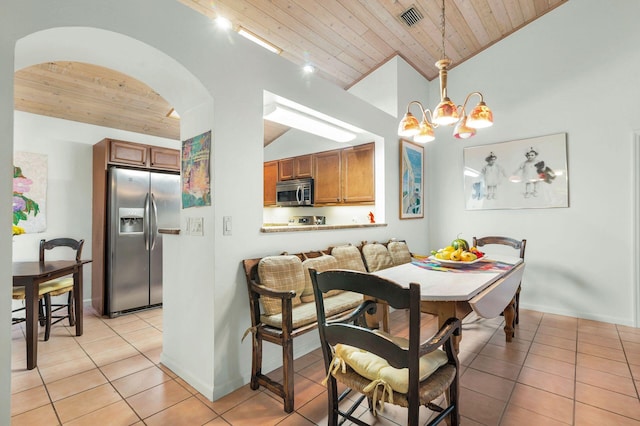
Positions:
(164, 158)
(345, 176)
(358, 174)
(270, 179)
(327, 175)
(295, 167)
(128, 153)
(145, 156)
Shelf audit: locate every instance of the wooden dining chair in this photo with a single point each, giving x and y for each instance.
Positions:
(519, 245)
(19, 294)
(383, 368)
(59, 286)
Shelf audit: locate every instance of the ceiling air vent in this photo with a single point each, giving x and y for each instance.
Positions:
(411, 16)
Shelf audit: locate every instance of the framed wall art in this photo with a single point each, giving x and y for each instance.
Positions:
(196, 185)
(520, 174)
(411, 182)
(30, 191)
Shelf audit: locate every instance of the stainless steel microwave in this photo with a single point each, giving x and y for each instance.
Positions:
(294, 193)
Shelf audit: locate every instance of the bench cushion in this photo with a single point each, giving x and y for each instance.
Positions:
(320, 264)
(306, 313)
(399, 252)
(349, 257)
(376, 256)
(282, 272)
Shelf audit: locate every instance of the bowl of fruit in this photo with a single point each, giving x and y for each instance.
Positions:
(457, 254)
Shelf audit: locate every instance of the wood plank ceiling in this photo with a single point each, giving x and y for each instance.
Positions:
(344, 40)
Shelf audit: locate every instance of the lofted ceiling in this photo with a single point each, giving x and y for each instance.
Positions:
(344, 40)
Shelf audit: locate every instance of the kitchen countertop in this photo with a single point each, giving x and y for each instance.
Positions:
(269, 228)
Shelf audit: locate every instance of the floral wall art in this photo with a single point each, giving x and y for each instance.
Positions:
(29, 192)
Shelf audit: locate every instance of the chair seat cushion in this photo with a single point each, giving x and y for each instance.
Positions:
(306, 313)
(430, 388)
(58, 286)
(19, 293)
(375, 368)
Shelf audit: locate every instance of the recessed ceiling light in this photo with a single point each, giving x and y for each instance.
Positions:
(308, 68)
(259, 40)
(223, 23)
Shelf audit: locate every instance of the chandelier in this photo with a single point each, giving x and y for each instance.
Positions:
(446, 112)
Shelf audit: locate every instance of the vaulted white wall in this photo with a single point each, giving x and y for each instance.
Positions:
(576, 71)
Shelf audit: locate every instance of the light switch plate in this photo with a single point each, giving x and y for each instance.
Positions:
(226, 225)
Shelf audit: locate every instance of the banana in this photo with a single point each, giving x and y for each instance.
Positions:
(456, 255)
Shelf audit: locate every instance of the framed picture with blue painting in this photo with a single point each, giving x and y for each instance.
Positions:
(411, 181)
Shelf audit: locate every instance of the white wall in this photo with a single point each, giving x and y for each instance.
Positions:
(575, 71)
(559, 59)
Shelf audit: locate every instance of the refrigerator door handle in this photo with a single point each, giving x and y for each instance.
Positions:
(146, 225)
(154, 230)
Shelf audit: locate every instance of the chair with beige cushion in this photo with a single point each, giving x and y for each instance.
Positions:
(519, 245)
(282, 307)
(19, 294)
(385, 369)
(64, 247)
(56, 287)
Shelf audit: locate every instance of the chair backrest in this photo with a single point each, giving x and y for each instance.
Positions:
(371, 286)
(75, 245)
(504, 241)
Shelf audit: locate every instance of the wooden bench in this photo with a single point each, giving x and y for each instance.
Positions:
(278, 314)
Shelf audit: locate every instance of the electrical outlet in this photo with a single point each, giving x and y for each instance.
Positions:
(196, 225)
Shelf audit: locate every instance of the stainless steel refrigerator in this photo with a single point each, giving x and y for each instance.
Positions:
(140, 202)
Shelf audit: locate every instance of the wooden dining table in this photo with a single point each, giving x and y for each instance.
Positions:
(487, 287)
(30, 275)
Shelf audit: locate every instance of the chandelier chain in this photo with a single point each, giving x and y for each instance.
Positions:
(442, 28)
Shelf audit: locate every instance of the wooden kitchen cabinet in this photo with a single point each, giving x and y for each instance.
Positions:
(327, 178)
(345, 176)
(128, 153)
(145, 156)
(164, 158)
(270, 179)
(295, 167)
(358, 174)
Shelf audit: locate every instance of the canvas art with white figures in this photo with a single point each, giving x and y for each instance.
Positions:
(526, 173)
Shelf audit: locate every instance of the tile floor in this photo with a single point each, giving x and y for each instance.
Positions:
(557, 371)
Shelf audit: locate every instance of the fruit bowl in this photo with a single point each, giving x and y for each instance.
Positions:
(454, 263)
